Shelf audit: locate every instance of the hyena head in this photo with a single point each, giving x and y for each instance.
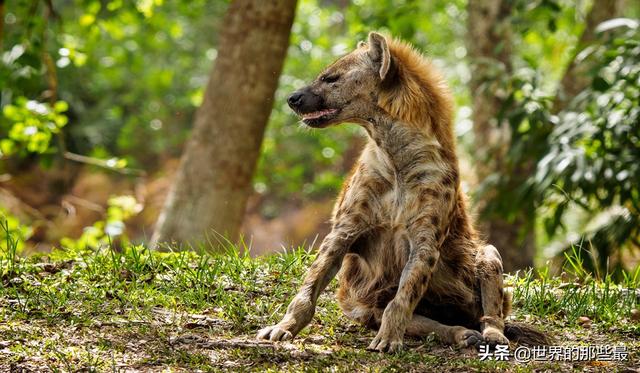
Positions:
(347, 90)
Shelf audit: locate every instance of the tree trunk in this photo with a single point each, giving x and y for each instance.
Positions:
(576, 78)
(489, 43)
(213, 182)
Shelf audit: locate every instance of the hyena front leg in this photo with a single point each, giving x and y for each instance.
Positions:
(324, 268)
(489, 267)
(413, 284)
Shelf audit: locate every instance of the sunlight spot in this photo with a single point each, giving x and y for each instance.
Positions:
(63, 62)
(464, 112)
(31, 130)
(114, 228)
(10, 18)
(212, 54)
(328, 152)
(463, 126)
(37, 107)
(112, 162)
(260, 187)
(339, 49)
(306, 45)
(460, 52)
(155, 124)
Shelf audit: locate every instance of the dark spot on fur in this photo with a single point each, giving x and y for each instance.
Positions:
(432, 193)
(431, 261)
(417, 290)
(435, 220)
(364, 205)
(418, 177)
(423, 255)
(425, 278)
(451, 178)
(447, 195)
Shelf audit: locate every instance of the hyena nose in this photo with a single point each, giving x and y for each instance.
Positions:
(295, 99)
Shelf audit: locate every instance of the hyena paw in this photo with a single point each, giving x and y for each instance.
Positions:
(275, 333)
(468, 338)
(493, 337)
(386, 342)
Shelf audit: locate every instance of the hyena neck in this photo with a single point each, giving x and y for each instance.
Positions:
(402, 149)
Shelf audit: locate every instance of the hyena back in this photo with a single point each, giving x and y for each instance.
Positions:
(409, 258)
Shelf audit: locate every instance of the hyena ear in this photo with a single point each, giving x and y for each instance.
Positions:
(379, 53)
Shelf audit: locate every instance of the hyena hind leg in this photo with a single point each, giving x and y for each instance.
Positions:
(459, 336)
(418, 326)
(489, 269)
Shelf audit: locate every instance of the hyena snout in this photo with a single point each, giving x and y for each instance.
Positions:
(295, 99)
(304, 101)
(311, 107)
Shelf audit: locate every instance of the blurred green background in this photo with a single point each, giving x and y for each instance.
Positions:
(98, 98)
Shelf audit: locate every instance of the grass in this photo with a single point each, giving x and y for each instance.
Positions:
(136, 309)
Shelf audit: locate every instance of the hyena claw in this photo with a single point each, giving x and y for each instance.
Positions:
(274, 333)
(386, 343)
(471, 338)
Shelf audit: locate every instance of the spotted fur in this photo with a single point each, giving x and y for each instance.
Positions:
(410, 260)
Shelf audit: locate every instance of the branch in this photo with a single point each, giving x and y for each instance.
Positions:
(102, 163)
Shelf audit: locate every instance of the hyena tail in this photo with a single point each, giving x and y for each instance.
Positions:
(522, 333)
(525, 334)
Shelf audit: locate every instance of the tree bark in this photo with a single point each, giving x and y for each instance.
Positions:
(209, 195)
(489, 43)
(576, 78)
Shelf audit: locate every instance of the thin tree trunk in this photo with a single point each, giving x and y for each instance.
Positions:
(576, 78)
(213, 182)
(489, 42)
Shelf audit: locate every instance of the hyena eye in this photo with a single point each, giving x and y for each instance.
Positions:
(330, 78)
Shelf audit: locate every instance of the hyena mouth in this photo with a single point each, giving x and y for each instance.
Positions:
(319, 118)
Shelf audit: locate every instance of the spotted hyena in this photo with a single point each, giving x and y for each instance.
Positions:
(409, 258)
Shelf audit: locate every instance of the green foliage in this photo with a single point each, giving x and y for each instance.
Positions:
(13, 234)
(594, 151)
(545, 35)
(96, 56)
(103, 232)
(30, 126)
(587, 156)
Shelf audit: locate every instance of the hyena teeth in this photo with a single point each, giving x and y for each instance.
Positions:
(318, 114)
